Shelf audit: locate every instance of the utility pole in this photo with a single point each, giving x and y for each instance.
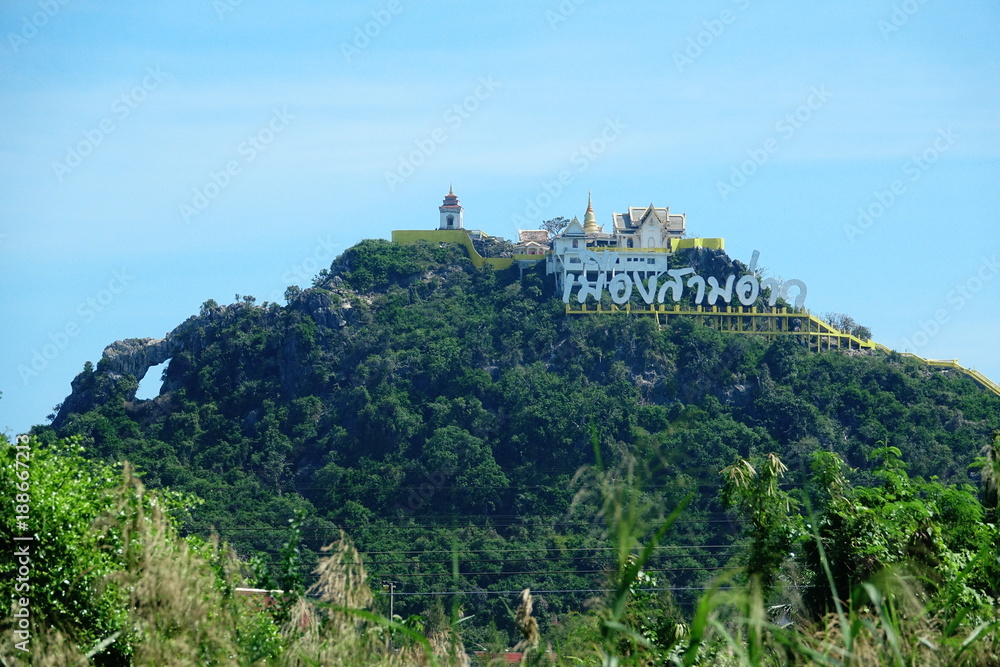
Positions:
(391, 585)
(392, 589)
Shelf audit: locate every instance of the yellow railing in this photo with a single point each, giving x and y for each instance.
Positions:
(675, 244)
(731, 318)
(681, 244)
(460, 237)
(954, 365)
(815, 327)
(618, 249)
(743, 319)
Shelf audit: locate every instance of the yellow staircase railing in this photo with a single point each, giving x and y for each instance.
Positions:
(954, 365)
(818, 334)
(779, 321)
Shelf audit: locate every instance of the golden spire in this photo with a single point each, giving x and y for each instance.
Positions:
(590, 225)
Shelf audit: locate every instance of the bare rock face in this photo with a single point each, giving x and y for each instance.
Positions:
(135, 356)
(130, 357)
(125, 362)
(324, 311)
(709, 262)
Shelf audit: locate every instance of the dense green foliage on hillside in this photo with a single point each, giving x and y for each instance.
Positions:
(910, 569)
(440, 414)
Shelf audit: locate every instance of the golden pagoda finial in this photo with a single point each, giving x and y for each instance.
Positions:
(590, 225)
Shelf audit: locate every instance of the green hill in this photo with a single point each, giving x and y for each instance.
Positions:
(440, 414)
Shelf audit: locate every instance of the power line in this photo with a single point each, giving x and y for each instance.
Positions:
(586, 590)
(400, 512)
(544, 572)
(443, 525)
(518, 487)
(467, 561)
(529, 549)
(594, 548)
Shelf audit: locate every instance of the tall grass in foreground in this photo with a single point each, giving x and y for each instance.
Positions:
(887, 620)
(884, 623)
(182, 610)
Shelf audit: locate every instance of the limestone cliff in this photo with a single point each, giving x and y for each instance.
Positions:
(135, 356)
(125, 363)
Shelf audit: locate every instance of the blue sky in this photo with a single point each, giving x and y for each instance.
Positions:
(156, 157)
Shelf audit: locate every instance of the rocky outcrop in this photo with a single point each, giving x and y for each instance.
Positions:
(125, 363)
(135, 356)
(323, 309)
(710, 262)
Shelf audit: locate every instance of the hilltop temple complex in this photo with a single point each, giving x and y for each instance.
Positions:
(647, 233)
(627, 270)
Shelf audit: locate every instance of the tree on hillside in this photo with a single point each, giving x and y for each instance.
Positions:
(755, 492)
(847, 324)
(554, 226)
(989, 464)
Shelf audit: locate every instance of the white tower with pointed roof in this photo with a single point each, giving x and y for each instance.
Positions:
(451, 212)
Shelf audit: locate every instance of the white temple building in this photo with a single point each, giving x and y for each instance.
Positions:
(649, 227)
(639, 245)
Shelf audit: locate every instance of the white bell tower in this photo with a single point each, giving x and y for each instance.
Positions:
(451, 212)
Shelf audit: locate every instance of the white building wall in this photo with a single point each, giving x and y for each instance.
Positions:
(458, 222)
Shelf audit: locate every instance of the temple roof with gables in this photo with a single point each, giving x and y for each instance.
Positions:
(574, 228)
(637, 216)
